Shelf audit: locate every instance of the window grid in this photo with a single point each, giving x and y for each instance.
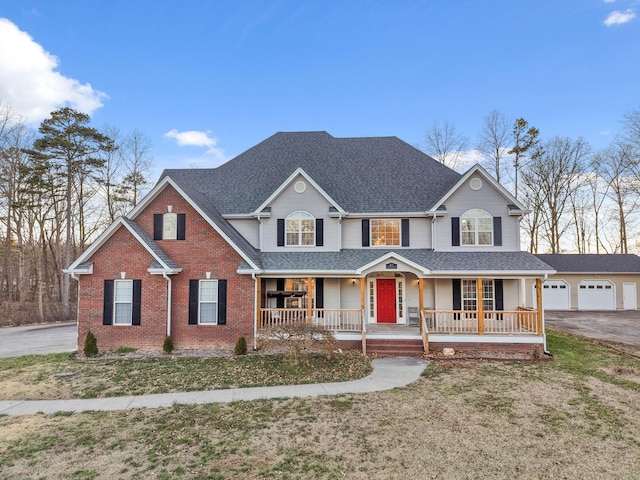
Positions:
(208, 302)
(123, 302)
(470, 295)
(300, 229)
(476, 228)
(385, 232)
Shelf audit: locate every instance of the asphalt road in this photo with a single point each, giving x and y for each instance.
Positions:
(38, 339)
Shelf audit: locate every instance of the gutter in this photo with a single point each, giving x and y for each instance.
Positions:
(255, 311)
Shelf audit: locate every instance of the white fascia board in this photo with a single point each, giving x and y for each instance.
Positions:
(396, 257)
(477, 168)
(492, 273)
(387, 214)
(168, 181)
(287, 182)
(161, 271)
(75, 271)
(310, 273)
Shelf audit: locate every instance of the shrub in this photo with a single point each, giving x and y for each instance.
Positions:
(167, 346)
(90, 345)
(297, 338)
(241, 346)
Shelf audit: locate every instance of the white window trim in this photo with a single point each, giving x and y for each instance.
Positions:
(200, 301)
(475, 296)
(116, 301)
(476, 231)
(302, 215)
(386, 245)
(165, 226)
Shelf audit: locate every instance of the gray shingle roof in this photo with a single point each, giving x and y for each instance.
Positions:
(588, 263)
(153, 246)
(369, 174)
(349, 260)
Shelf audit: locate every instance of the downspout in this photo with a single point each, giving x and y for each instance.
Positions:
(77, 279)
(544, 333)
(433, 232)
(168, 279)
(255, 311)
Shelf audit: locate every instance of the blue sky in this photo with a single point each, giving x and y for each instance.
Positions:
(206, 80)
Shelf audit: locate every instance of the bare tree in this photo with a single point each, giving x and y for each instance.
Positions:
(525, 140)
(445, 143)
(136, 150)
(494, 141)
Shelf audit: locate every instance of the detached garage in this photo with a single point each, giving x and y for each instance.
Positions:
(590, 282)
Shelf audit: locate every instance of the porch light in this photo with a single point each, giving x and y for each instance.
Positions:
(353, 282)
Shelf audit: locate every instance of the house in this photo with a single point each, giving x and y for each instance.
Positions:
(589, 282)
(368, 237)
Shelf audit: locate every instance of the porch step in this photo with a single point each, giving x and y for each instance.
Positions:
(395, 347)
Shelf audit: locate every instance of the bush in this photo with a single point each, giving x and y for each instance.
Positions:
(167, 346)
(297, 338)
(241, 346)
(90, 345)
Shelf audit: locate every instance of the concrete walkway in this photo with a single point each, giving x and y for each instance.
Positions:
(388, 373)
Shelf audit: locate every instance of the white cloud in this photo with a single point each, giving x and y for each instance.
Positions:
(29, 80)
(197, 138)
(617, 17)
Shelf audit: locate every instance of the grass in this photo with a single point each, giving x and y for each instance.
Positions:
(36, 377)
(575, 417)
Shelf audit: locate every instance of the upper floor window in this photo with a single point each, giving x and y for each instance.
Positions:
(169, 226)
(385, 232)
(300, 229)
(476, 227)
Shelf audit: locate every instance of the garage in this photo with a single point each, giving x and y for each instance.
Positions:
(596, 295)
(555, 295)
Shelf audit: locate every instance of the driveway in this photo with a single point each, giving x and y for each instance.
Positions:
(621, 326)
(38, 339)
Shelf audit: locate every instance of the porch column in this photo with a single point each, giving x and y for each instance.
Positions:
(539, 308)
(258, 301)
(310, 298)
(480, 306)
(420, 301)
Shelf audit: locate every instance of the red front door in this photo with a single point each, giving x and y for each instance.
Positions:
(386, 301)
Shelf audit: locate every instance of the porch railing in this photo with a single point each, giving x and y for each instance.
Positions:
(330, 319)
(495, 322)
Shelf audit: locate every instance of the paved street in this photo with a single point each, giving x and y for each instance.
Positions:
(37, 339)
(620, 326)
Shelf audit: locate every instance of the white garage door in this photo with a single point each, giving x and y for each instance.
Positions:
(596, 295)
(555, 295)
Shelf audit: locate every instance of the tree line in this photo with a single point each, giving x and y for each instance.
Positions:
(60, 186)
(581, 199)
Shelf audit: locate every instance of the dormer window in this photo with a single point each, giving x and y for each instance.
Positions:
(300, 229)
(476, 227)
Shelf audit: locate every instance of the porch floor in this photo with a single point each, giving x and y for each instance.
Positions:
(392, 329)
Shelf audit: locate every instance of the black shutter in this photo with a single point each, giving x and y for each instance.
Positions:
(457, 294)
(497, 231)
(137, 302)
(319, 292)
(319, 232)
(182, 224)
(455, 231)
(281, 232)
(404, 232)
(280, 288)
(157, 226)
(499, 294)
(365, 232)
(107, 309)
(222, 302)
(194, 296)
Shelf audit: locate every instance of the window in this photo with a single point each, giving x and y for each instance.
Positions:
(123, 302)
(385, 232)
(300, 229)
(470, 295)
(476, 228)
(169, 226)
(208, 302)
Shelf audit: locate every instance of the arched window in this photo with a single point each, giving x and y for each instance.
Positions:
(476, 227)
(300, 229)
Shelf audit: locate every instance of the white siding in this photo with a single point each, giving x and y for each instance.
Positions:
(487, 198)
(419, 233)
(249, 228)
(290, 201)
(332, 293)
(349, 293)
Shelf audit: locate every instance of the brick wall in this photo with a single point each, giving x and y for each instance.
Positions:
(202, 251)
